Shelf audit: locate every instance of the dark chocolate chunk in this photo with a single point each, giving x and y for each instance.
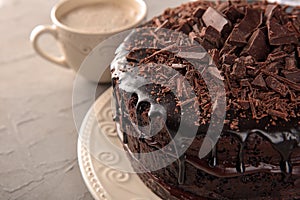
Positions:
(257, 46)
(292, 75)
(211, 35)
(185, 27)
(296, 23)
(269, 12)
(214, 18)
(223, 6)
(277, 13)
(277, 86)
(273, 67)
(245, 28)
(233, 14)
(199, 12)
(227, 49)
(281, 34)
(259, 81)
(206, 44)
(298, 51)
(295, 86)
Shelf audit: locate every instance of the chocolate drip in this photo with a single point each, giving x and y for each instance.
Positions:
(116, 118)
(213, 161)
(115, 96)
(286, 167)
(282, 142)
(123, 128)
(125, 138)
(142, 138)
(181, 169)
(285, 149)
(240, 166)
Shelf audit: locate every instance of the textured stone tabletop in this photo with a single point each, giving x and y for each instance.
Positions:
(38, 138)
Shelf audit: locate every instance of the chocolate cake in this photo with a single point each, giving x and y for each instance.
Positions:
(161, 76)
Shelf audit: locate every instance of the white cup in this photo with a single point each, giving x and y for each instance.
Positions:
(76, 44)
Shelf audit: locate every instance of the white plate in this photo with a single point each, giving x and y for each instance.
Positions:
(106, 183)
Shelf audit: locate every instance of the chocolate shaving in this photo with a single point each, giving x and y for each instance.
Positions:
(215, 72)
(244, 104)
(179, 87)
(163, 25)
(253, 110)
(276, 56)
(186, 102)
(279, 114)
(273, 67)
(157, 22)
(192, 55)
(228, 59)
(168, 48)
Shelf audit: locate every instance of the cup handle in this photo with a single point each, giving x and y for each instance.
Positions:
(34, 37)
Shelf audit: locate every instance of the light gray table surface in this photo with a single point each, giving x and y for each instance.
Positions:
(38, 138)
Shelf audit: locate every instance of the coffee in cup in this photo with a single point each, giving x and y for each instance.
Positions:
(100, 17)
(79, 26)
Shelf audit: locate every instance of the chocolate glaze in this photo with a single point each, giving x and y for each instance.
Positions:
(283, 141)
